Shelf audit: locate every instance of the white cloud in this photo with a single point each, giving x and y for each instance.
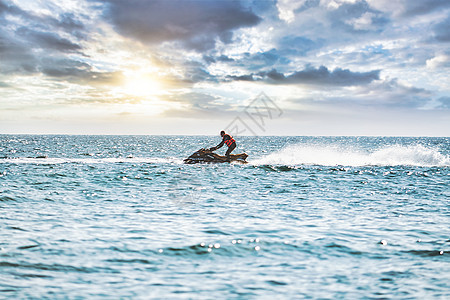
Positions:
(388, 6)
(439, 61)
(286, 9)
(362, 23)
(335, 4)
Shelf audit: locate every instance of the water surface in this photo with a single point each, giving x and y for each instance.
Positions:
(307, 217)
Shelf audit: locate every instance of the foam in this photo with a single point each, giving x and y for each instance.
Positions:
(152, 160)
(302, 154)
(332, 155)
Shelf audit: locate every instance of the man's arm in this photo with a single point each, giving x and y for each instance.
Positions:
(218, 146)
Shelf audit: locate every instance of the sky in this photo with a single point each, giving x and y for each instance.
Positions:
(304, 67)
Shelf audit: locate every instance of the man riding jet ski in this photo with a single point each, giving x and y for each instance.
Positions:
(229, 141)
(207, 155)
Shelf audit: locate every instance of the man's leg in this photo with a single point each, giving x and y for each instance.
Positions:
(230, 149)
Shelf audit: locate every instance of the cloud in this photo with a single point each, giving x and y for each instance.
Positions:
(392, 93)
(262, 59)
(78, 72)
(313, 76)
(328, 54)
(193, 73)
(15, 57)
(33, 42)
(47, 40)
(24, 32)
(420, 7)
(327, 26)
(4, 85)
(410, 8)
(357, 17)
(221, 58)
(380, 94)
(441, 31)
(195, 24)
(444, 102)
(67, 22)
(298, 45)
(286, 9)
(439, 61)
(364, 22)
(200, 105)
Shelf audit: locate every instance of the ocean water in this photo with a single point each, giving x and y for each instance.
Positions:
(121, 217)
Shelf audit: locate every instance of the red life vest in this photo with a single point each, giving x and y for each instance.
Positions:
(230, 140)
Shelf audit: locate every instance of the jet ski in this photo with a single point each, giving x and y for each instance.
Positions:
(207, 156)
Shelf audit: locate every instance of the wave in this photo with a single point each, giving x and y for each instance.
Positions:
(326, 155)
(54, 160)
(332, 155)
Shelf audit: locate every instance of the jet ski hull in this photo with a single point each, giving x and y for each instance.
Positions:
(207, 156)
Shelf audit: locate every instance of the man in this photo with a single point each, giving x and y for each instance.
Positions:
(229, 141)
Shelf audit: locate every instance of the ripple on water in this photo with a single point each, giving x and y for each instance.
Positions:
(128, 220)
(52, 267)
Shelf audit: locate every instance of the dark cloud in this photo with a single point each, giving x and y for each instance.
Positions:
(31, 43)
(78, 72)
(3, 7)
(15, 57)
(196, 24)
(64, 68)
(242, 78)
(314, 76)
(421, 7)
(47, 40)
(196, 73)
(212, 59)
(10, 9)
(442, 31)
(26, 32)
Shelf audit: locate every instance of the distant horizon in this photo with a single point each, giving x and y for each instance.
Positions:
(212, 135)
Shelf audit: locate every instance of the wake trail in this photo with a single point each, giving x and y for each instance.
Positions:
(111, 160)
(332, 155)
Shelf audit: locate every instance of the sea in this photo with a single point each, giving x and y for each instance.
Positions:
(122, 217)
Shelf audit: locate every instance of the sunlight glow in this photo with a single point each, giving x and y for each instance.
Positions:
(141, 84)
